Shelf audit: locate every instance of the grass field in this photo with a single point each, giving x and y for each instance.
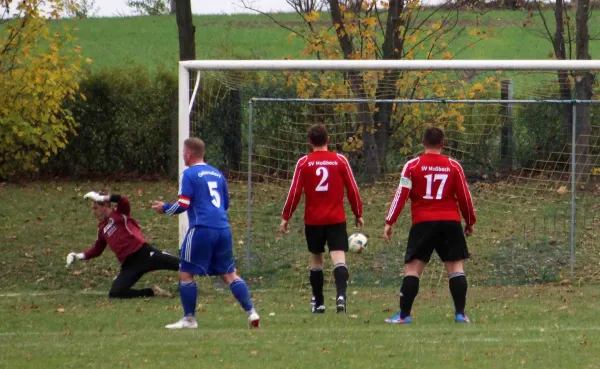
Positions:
(519, 240)
(57, 317)
(41, 222)
(152, 41)
(534, 327)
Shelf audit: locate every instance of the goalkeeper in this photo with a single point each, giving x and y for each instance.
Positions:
(123, 234)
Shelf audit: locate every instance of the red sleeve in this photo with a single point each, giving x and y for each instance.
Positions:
(295, 193)
(184, 201)
(401, 195)
(463, 195)
(123, 206)
(97, 249)
(351, 187)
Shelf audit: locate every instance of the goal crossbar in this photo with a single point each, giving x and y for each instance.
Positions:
(548, 65)
(424, 101)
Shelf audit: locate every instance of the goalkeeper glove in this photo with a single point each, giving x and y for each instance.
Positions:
(94, 196)
(72, 256)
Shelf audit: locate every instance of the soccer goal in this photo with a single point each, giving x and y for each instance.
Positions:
(526, 132)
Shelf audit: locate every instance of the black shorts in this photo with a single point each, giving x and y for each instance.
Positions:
(335, 235)
(445, 237)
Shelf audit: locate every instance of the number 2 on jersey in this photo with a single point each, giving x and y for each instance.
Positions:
(216, 201)
(323, 186)
(433, 178)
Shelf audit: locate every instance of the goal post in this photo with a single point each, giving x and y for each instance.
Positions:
(267, 152)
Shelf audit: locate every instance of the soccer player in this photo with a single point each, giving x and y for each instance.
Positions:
(322, 175)
(435, 185)
(208, 246)
(124, 236)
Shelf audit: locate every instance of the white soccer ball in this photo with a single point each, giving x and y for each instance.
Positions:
(357, 242)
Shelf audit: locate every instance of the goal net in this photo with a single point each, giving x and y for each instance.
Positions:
(526, 133)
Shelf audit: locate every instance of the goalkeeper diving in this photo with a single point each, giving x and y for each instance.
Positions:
(124, 236)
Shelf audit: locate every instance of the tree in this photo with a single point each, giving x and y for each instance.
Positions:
(186, 30)
(187, 51)
(149, 7)
(562, 39)
(81, 9)
(39, 70)
(394, 29)
(584, 90)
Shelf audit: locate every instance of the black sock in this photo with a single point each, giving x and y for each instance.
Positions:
(458, 289)
(316, 282)
(408, 293)
(341, 275)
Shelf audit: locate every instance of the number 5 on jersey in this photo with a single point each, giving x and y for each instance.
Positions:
(216, 198)
(430, 181)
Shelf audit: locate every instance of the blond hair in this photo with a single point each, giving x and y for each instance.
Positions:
(195, 146)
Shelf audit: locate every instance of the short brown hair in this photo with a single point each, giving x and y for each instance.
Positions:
(195, 146)
(433, 137)
(317, 135)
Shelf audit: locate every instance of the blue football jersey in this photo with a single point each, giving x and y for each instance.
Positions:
(206, 189)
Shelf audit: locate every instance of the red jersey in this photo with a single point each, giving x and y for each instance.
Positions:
(323, 175)
(120, 232)
(435, 184)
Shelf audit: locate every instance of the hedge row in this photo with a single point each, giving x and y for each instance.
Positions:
(128, 115)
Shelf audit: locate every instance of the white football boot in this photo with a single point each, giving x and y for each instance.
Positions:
(187, 322)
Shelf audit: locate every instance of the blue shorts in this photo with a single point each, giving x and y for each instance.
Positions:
(207, 251)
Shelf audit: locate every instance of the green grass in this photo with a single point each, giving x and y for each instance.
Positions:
(57, 317)
(152, 41)
(518, 241)
(534, 327)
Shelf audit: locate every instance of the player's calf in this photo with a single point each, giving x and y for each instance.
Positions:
(240, 291)
(457, 283)
(341, 275)
(316, 283)
(408, 293)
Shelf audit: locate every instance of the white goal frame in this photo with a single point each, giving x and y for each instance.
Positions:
(186, 67)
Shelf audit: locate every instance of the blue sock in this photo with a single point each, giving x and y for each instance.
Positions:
(239, 288)
(189, 295)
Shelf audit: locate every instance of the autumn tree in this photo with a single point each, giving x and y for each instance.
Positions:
(39, 70)
(81, 9)
(392, 30)
(570, 40)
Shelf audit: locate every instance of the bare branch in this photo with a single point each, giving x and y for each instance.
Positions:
(426, 19)
(444, 28)
(379, 20)
(247, 5)
(306, 6)
(569, 38)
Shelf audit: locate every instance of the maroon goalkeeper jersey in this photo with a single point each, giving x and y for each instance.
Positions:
(120, 232)
(437, 188)
(323, 175)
